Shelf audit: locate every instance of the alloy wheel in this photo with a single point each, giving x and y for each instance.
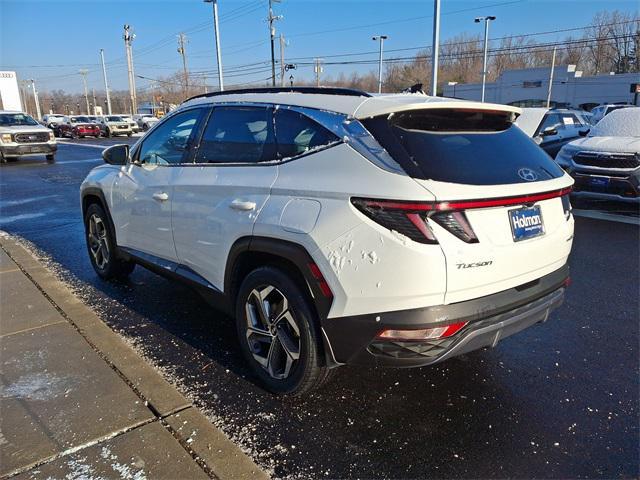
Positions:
(98, 243)
(272, 332)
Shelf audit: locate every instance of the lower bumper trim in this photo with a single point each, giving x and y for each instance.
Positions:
(354, 339)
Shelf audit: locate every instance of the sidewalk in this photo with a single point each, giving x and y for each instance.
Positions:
(77, 402)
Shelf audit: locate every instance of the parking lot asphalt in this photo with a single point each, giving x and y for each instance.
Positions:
(559, 400)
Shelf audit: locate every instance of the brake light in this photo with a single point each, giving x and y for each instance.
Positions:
(456, 223)
(435, 333)
(566, 205)
(409, 219)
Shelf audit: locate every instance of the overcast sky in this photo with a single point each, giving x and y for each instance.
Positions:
(50, 40)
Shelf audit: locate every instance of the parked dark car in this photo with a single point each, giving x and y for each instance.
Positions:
(76, 127)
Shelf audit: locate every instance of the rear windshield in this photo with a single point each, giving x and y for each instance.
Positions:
(462, 146)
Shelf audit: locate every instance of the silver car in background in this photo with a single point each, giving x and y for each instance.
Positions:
(606, 163)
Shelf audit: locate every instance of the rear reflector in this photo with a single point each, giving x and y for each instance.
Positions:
(321, 282)
(423, 334)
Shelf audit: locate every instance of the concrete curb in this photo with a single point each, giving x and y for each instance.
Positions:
(209, 446)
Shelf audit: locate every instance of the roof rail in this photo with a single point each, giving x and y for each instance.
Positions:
(350, 92)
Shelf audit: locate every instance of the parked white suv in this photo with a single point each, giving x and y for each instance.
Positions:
(338, 227)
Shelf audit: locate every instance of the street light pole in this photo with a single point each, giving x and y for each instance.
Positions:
(216, 31)
(435, 49)
(106, 84)
(486, 42)
(380, 38)
(553, 66)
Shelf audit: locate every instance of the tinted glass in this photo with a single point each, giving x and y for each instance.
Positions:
(16, 119)
(238, 135)
(457, 146)
(552, 120)
(168, 144)
(296, 133)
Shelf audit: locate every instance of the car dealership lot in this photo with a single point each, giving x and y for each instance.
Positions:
(558, 400)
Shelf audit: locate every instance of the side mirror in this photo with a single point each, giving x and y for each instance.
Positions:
(584, 133)
(549, 131)
(116, 155)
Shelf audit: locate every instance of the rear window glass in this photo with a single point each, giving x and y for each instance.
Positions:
(462, 146)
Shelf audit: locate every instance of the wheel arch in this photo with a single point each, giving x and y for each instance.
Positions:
(91, 195)
(249, 253)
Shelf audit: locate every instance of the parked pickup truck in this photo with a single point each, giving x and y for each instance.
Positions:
(21, 135)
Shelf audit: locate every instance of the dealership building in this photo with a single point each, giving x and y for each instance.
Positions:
(529, 87)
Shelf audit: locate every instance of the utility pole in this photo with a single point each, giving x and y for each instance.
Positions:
(380, 38)
(182, 39)
(486, 44)
(216, 30)
(435, 48)
(83, 72)
(282, 65)
(128, 38)
(35, 98)
(317, 68)
(106, 84)
(553, 66)
(272, 33)
(204, 82)
(95, 104)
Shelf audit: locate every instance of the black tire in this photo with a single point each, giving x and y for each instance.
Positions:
(51, 158)
(128, 134)
(74, 135)
(3, 159)
(107, 265)
(107, 133)
(308, 371)
(145, 127)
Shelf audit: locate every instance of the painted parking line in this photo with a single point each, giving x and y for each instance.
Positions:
(85, 160)
(611, 217)
(90, 145)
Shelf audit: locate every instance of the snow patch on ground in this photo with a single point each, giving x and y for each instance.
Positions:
(38, 386)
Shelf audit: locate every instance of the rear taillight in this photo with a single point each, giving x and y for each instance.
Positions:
(410, 219)
(407, 218)
(456, 223)
(566, 205)
(422, 334)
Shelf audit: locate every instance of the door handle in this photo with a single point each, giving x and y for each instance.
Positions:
(242, 205)
(160, 196)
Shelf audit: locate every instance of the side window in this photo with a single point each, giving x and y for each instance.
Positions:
(576, 121)
(552, 120)
(237, 135)
(296, 133)
(168, 144)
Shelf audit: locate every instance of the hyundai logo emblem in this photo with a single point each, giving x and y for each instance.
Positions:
(527, 174)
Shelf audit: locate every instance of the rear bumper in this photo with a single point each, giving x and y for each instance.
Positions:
(28, 149)
(353, 339)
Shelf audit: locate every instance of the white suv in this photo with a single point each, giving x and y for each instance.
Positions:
(338, 227)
